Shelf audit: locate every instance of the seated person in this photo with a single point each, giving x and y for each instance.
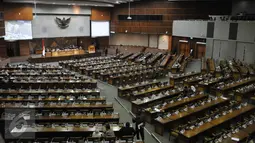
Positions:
(127, 130)
(97, 133)
(109, 132)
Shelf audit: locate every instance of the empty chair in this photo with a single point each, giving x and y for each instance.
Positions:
(110, 139)
(59, 140)
(42, 140)
(76, 140)
(128, 138)
(25, 140)
(94, 139)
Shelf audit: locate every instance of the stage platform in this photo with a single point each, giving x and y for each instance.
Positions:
(61, 58)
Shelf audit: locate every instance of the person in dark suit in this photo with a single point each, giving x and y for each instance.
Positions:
(139, 125)
(127, 130)
(106, 51)
(117, 51)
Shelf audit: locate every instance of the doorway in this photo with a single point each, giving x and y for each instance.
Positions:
(13, 49)
(200, 50)
(184, 48)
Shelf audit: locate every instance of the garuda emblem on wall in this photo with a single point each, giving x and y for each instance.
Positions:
(63, 23)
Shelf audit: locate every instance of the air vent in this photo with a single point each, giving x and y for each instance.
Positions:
(141, 17)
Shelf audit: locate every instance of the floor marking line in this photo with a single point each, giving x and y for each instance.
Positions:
(147, 131)
(121, 104)
(155, 138)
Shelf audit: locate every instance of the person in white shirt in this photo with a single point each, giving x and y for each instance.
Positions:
(97, 133)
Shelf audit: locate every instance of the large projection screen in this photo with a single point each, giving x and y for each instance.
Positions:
(100, 28)
(18, 30)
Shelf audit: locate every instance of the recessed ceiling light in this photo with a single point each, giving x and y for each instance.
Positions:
(54, 3)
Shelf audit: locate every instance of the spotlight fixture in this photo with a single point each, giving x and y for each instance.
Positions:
(129, 17)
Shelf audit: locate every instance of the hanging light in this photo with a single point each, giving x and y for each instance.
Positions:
(129, 17)
(35, 8)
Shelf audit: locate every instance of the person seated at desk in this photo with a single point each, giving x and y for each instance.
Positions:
(97, 133)
(109, 132)
(127, 130)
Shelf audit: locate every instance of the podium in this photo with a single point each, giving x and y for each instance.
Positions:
(91, 49)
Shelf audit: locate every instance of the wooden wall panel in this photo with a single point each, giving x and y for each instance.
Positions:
(3, 49)
(1, 5)
(2, 29)
(24, 48)
(18, 12)
(170, 43)
(177, 10)
(102, 14)
(85, 42)
(192, 44)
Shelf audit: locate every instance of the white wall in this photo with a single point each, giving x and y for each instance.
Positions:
(163, 42)
(226, 49)
(221, 30)
(154, 41)
(129, 39)
(246, 32)
(45, 26)
(62, 9)
(184, 28)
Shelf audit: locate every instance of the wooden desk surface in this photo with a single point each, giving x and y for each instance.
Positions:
(215, 122)
(246, 91)
(74, 117)
(58, 106)
(177, 103)
(210, 83)
(184, 76)
(140, 85)
(50, 91)
(132, 74)
(62, 129)
(250, 129)
(85, 66)
(191, 111)
(237, 84)
(55, 81)
(149, 101)
(49, 99)
(153, 90)
(241, 135)
(31, 67)
(108, 67)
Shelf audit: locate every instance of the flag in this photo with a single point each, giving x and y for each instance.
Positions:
(43, 48)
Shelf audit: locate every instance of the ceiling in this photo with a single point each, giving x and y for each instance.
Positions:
(99, 3)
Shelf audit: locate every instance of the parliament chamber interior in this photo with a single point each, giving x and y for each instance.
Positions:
(127, 71)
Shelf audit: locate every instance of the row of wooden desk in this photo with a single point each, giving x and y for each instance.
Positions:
(52, 104)
(153, 108)
(65, 53)
(118, 73)
(62, 58)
